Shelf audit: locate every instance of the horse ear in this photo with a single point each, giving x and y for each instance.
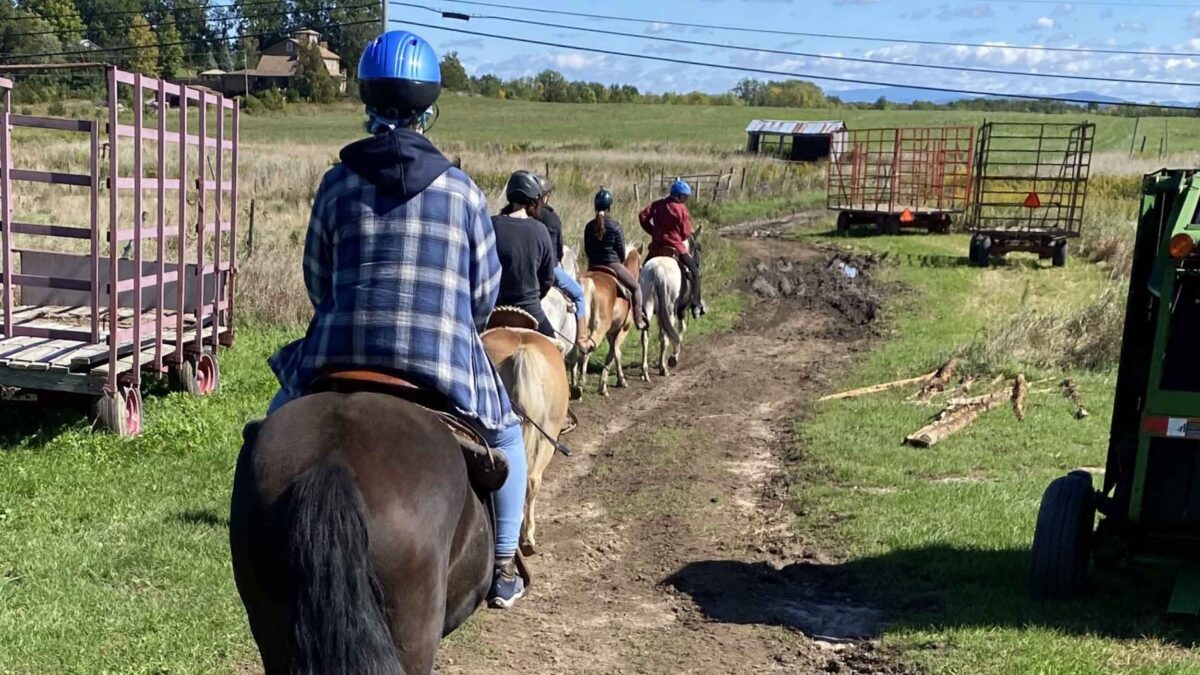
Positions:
(639, 247)
(699, 230)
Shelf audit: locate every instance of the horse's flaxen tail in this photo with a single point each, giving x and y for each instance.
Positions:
(338, 618)
(663, 307)
(589, 299)
(530, 375)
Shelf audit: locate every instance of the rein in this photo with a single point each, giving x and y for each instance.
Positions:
(553, 441)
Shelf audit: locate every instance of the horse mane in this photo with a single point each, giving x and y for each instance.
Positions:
(339, 624)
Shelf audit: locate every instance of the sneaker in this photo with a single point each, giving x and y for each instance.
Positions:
(699, 310)
(507, 586)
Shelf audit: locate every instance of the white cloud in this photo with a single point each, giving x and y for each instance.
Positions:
(981, 10)
(656, 28)
(1194, 20)
(1042, 23)
(1130, 27)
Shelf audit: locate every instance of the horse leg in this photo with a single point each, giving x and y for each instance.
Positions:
(621, 381)
(542, 454)
(662, 355)
(646, 355)
(612, 353)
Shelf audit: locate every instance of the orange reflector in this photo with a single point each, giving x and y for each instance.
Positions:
(1033, 201)
(907, 216)
(1182, 245)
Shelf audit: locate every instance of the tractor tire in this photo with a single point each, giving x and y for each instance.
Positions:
(1062, 540)
(843, 222)
(983, 251)
(890, 225)
(1059, 257)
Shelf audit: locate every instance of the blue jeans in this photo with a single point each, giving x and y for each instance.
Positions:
(509, 501)
(572, 289)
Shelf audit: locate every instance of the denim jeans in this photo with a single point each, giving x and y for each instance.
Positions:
(572, 289)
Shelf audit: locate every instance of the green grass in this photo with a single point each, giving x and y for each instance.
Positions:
(520, 124)
(939, 537)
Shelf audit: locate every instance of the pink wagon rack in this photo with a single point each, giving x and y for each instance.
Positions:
(144, 282)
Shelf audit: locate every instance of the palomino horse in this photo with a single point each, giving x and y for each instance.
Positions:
(610, 316)
(560, 313)
(357, 540)
(662, 284)
(536, 379)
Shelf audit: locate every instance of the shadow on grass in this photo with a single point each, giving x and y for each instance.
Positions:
(929, 589)
(33, 424)
(200, 517)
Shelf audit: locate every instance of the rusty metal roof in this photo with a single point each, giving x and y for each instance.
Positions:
(794, 127)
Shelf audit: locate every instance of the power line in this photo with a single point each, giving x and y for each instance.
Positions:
(848, 59)
(781, 73)
(1102, 3)
(204, 21)
(134, 48)
(831, 36)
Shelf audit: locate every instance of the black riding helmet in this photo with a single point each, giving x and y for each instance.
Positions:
(603, 200)
(523, 188)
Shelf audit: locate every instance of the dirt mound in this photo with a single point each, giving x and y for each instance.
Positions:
(843, 283)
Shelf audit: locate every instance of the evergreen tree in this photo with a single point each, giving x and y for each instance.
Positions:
(170, 52)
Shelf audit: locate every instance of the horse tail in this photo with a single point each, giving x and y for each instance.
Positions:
(663, 306)
(338, 617)
(589, 299)
(531, 378)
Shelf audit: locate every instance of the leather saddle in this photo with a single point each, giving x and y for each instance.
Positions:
(621, 290)
(511, 317)
(486, 468)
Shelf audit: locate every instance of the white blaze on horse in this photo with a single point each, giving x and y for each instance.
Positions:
(662, 282)
(560, 312)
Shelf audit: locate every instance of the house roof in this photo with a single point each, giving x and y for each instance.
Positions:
(795, 128)
(275, 66)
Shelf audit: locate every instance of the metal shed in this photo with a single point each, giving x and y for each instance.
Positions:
(796, 141)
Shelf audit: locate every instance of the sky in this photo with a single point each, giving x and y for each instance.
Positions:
(1149, 25)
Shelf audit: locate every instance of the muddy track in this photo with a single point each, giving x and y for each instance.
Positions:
(666, 542)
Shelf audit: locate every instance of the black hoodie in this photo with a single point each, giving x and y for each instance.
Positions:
(402, 162)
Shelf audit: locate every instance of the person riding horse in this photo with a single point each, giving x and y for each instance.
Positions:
(402, 269)
(669, 224)
(527, 261)
(604, 244)
(563, 281)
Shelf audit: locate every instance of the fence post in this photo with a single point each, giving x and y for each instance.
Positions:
(1143, 150)
(743, 186)
(1133, 141)
(547, 170)
(1167, 135)
(250, 230)
(637, 195)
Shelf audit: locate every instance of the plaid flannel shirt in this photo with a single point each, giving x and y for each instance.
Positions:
(402, 286)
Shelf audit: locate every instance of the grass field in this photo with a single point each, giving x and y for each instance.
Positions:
(113, 553)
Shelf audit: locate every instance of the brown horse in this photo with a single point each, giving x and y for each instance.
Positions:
(533, 372)
(610, 316)
(357, 540)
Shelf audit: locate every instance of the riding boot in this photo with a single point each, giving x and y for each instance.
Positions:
(639, 312)
(583, 340)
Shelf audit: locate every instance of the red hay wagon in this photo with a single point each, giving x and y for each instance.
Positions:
(144, 283)
(905, 177)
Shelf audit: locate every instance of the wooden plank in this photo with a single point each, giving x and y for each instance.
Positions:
(43, 352)
(124, 364)
(17, 344)
(50, 381)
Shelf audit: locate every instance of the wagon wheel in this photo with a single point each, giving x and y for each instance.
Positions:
(843, 221)
(198, 375)
(1058, 257)
(121, 411)
(890, 224)
(1062, 540)
(941, 224)
(981, 250)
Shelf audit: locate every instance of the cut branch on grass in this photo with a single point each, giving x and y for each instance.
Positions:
(1071, 392)
(940, 380)
(876, 388)
(955, 417)
(1019, 392)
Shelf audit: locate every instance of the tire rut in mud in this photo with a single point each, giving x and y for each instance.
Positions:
(666, 541)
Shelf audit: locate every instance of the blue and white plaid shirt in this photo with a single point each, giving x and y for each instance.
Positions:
(403, 286)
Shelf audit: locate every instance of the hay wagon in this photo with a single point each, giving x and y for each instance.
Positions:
(917, 177)
(1031, 183)
(143, 282)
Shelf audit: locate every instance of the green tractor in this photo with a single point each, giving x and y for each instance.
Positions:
(1149, 505)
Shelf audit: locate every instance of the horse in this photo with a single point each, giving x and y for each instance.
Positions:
(560, 312)
(356, 537)
(662, 286)
(535, 376)
(610, 316)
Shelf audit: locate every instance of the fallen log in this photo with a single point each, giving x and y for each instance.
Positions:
(1071, 391)
(956, 417)
(876, 388)
(1019, 392)
(940, 380)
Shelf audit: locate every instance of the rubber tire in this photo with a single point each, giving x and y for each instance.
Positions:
(942, 224)
(983, 251)
(843, 222)
(185, 377)
(973, 251)
(1059, 257)
(1062, 540)
(121, 411)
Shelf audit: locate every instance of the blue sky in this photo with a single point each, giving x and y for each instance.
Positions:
(1168, 25)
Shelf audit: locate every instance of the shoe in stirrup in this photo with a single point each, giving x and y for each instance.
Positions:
(507, 585)
(699, 309)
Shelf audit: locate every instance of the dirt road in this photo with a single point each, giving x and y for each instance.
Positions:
(665, 542)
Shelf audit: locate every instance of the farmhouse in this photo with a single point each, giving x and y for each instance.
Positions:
(276, 67)
(796, 141)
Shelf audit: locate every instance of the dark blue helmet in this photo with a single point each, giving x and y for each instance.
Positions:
(603, 200)
(399, 74)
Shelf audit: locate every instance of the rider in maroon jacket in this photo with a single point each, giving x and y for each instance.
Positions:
(669, 224)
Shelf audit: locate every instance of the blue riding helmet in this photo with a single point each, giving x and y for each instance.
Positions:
(399, 75)
(681, 188)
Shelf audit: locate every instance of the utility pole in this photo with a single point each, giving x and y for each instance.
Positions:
(384, 14)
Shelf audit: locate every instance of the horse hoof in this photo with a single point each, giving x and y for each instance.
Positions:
(529, 548)
(576, 393)
(672, 362)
